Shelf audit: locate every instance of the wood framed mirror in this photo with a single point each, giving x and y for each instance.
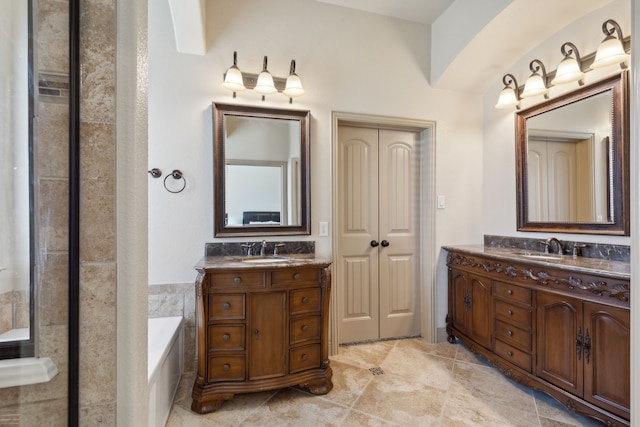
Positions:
(572, 161)
(261, 171)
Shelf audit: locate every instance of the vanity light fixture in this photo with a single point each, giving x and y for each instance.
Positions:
(294, 85)
(570, 68)
(536, 84)
(263, 83)
(611, 51)
(233, 77)
(509, 95)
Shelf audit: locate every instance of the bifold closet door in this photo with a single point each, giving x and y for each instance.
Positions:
(377, 268)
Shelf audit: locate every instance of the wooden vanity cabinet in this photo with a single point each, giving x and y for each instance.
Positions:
(261, 329)
(566, 333)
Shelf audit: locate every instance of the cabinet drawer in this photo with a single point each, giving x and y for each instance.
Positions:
(302, 358)
(226, 368)
(226, 337)
(513, 314)
(224, 307)
(234, 279)
(513, 335)
(305, 301)
(292, 276)
(303, 329)
(510, 292)
(513, 355)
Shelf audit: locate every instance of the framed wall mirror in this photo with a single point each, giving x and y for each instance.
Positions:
(572, 161)
(261, 171)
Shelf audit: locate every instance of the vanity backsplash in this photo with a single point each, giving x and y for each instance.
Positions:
(590, 250)
(237, 249)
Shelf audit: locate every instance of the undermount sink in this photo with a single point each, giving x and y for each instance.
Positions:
(542, 256)
(265, 260)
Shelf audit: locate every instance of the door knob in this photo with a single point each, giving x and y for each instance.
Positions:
(374, 243)
(384, 243)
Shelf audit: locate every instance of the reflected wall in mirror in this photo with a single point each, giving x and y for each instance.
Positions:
(261, 164)
(572, 164)
(16, 193)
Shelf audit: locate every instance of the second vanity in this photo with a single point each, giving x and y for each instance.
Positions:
(554, 323)
(262, 324)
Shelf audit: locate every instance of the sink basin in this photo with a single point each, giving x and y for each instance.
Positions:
(542, 256)
(265, 260)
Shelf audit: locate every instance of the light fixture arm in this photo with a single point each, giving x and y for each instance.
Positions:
(572, 50)
(264, 64)
(609, 31)
(537, 65)
(508, 79)
(292, 68)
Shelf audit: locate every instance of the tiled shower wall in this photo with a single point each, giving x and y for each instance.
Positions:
(14, 310)
(42, 404)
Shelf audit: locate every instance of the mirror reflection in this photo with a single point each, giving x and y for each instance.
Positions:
(261, 165)
(15, 196)
(572, 162)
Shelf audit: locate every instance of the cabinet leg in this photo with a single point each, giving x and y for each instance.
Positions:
(320, 386)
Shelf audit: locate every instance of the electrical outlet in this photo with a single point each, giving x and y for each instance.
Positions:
(323, 229)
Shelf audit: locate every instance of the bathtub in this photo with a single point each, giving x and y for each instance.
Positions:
(165, 358)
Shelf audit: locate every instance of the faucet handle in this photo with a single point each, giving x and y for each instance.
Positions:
(577, 247)
(276, 246)
(248, 247)
(546, 246)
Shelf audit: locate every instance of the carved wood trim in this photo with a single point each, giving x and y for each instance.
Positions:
(601, 288)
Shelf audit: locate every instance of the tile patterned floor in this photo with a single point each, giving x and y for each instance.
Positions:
(421, 384)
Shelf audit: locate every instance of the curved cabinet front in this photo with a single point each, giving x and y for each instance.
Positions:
(566, 333)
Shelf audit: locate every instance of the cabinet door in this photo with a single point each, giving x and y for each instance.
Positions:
(559, 338)
(607, 360)
(266, 335)
(472, 311)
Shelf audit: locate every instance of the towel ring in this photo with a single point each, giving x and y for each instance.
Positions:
(176, 174)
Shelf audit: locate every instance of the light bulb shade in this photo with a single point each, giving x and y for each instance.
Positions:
(507, 98)
(534, 86)
(609, 52)
(568, 71)
(233, 80)
(264, 85)
(293, 87)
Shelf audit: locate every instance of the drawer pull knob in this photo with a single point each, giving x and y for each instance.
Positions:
(509, 312)
(305, 300)
(226, 306)
(237, 280)
(509, 353)
(296, 276)
(509, 292)
(305, 328)
(305, 357)
(510, 333)
(226, 367)
(225, 337)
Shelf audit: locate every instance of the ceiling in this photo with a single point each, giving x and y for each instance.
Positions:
(421, 11)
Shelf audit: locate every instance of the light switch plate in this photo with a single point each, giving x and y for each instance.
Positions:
(323, 229)
(441, 202)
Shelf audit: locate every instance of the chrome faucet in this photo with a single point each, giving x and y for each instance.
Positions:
(549, 241)
(263, 248)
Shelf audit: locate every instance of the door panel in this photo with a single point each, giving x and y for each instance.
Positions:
(358, 212)
(397, 177)
(377, 186)
(267, 335)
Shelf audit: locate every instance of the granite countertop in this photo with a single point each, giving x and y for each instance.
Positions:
(617, 269)
(261, 262)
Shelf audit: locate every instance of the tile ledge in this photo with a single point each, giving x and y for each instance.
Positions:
(28, 370)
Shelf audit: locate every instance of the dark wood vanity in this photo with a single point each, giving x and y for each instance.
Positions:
(555, 325)
(260, 326)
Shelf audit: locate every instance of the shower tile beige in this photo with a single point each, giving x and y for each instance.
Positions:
(98, 415)
(53, 36)
(48, 413)
(434, 371)
(402, 400)
(53, 140)
(53, 289)
(292, 407)
(54, 215)
(189, 349)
